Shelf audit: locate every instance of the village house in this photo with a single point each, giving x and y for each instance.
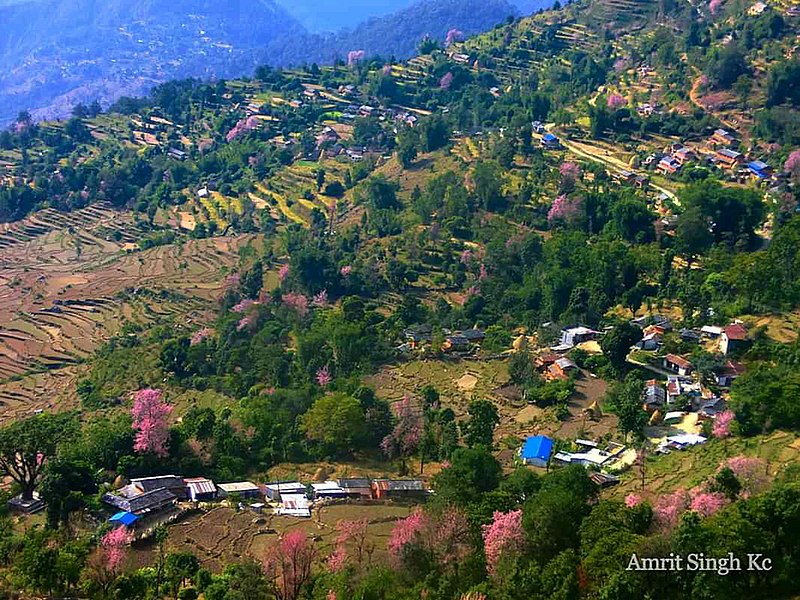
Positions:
(677, 364)
(728, 159)
(328, 490)
(148, 503)
(294, 505)
(275, 491)
(680, 389)
(668, 166)
(589, 455)
(399, 489)
(562, 368)
(143, 485)
(536, 451)
(722, 137)
(200, 489)
(624, 176)
(455, 343)
(572, 336)
(733, 338)
(460, 58)
(726, 376)
(759, 170)
(654, 396)
(356, 487)
(684, 155)
(550, 142)
(243, 489)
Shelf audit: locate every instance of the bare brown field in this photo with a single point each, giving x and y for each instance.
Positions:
(222, 535)
(69, 281)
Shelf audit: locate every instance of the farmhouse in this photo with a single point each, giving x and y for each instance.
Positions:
(729, 373)
(200, 489)
(356, 487)
(328, 489)
(722, 137)
(590, 455)
(143, 485)
(728, 159)
(244, 489)
(655, 396)
(562, 368)
(456, 343)
(759, 170)
(733, 337)
(668, 166)
(677, 364)
(147, 503)
(275, 491)
(577, 335)
(399, 489)
(294, 505)
(683, 155)
(536, 451)
(550, 141)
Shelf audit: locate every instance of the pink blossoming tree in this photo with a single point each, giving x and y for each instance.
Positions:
(324, 376)
(722, 424)
(670, 507)
(406, 435)
(446, 81)
(616, 101)
(150, 414)
(352, 546)
(453, 35)
(570, 170)
(320, 300)
(706, 503)
(298, 302)
(201, 335)
(792, 165)
(564, 209)
(346, 270)
(503, 537)
(355, 56)
(288, 565)
(633, 500)
(114, 545)
(750, 471)
(283, 272)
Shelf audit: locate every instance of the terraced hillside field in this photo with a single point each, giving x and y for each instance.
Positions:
(70, 281)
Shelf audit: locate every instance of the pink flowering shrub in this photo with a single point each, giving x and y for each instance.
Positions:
(722, 424)
(355, 56)
(407, 432)
(446, 81)
(150, 414)
(288, 565)
(633, 500)
(114, 547)
(616, 101)
(246, 322)
(564, 209)
(352, 545)
(346, 270)
(453, 35)
(405, 532)
(502, 537)
(283, 272)
(715, 5)
(324, 376)
(243, 127)
(298, 302)
(444, 535)
(201, 335)
(706, 503)
(750, 471)
(670, 507)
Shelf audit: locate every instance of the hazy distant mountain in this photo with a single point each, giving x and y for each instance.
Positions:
(57, 53)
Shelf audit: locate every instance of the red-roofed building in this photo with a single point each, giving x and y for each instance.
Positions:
(678, 364)
(733, 337)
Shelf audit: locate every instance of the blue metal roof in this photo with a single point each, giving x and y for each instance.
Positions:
(549, 137)
(537, 446)
(758, 165)
(126, 518)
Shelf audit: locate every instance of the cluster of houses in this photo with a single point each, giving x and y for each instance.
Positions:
(455, 342)
(146, 500)
(719, 151)
(539, 451)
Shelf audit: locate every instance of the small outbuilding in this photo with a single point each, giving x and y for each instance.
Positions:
(536, 451)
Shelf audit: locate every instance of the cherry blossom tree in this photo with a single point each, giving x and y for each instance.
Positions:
(616, 101)
(750, 471)
(446, 81)
(453, 35)
(355, 56)
(324, 377)
(444, 535)
(352, 545)
(114, 546)
(201, 335)
(570, 170)
(405, 532)
(564, 209)
(243, 127)
(283, 272)
(150, 414)
(670, 507)
(792, 165)
(346, 270)
(722, 424)
(243, 306)
(406, 435)
(706, 503)
(633, 500)
(246, 322)
(288, 565)
(502, 537)
(298, 302)
(715, 5)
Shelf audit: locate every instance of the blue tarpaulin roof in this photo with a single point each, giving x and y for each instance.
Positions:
(549, 137)
(537, 446)
(126, 518)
